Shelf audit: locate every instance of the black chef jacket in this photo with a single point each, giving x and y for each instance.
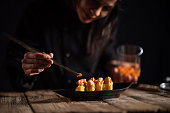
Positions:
(52, 27)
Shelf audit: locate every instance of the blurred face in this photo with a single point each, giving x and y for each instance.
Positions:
(90, 10)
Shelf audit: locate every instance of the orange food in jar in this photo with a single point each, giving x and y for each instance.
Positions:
(126, 71)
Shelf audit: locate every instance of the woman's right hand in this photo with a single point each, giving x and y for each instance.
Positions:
(34, 63)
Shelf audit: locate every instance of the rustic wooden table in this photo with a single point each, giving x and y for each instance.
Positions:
(48, 101)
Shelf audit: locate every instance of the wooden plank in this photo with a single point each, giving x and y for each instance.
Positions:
(13, 102)
(45, 96)
(11, 94)
(129, 104)
(78, 107)
(162, 93)
(153, 89)
(149, 98)
(15, 109)
(94, 106)
(60, 107)
(47, 101)
(148, 87)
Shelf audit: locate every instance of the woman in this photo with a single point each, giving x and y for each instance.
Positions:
(79, 34)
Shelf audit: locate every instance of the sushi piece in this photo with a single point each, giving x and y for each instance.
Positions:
(81, 85)
(81, 82)
(80, 88)
(99, 84)
(108, 85)
(90, 85)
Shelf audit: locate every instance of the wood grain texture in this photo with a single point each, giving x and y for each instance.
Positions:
(153, 89)
(45, 96)
(48, 101)
(160, 93)
(14, 102)
(75, 107)
(149, 98)
(132, 105)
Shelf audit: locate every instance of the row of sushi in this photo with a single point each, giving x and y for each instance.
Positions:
(94, 84)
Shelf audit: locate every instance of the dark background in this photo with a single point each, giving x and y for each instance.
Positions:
(143, 22)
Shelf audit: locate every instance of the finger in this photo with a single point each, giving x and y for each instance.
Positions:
(26, 54)
(51, 55)
(35, 66)
(31, 72)
(37, 61)
(128, 79)
(48, 66)
(116, 70)
(31, 55)
(135, 79)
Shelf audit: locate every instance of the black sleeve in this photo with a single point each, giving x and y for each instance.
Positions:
(18, 79)
(109, 51)
(107, 55)
(27, 31)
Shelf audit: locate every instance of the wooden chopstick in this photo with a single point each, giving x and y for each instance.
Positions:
(31, 49)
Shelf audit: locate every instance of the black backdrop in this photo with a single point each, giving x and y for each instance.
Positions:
(143, 22)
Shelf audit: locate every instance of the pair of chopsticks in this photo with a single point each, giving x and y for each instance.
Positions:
(31, 49)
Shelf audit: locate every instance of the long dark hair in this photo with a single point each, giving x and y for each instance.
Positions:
(101, 31)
